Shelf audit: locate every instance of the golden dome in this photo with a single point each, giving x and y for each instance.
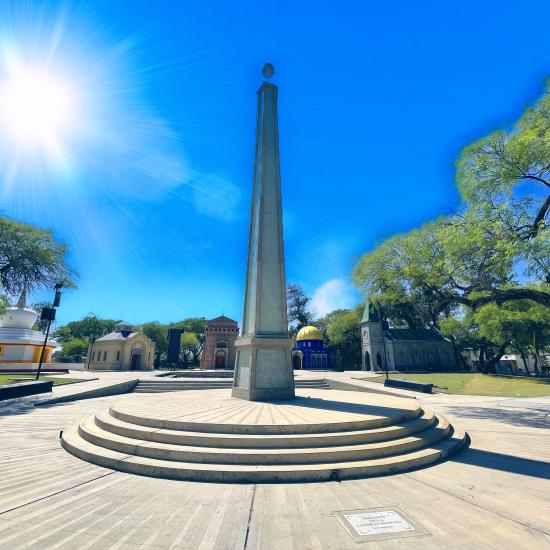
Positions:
(309, 333)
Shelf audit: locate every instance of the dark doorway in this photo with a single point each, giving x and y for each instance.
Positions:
(297, 361)
(367, 361)
(379, 361)
(220, 360)
(136, 361)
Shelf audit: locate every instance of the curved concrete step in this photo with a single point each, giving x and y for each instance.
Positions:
(174, 386)
(220, 440)
(92, 433)
(398, 416)
(76, 445)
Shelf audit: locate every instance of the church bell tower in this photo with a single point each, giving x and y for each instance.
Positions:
(373, 353)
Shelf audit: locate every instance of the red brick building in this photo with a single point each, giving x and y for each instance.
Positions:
(219, 343)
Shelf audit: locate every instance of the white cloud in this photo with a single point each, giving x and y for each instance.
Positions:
(216, 197)
(334, 294)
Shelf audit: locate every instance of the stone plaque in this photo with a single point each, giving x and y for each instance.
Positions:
(379, 523)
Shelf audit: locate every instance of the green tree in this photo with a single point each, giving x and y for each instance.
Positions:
(481, 275)
(90, 326)
(464, 331)
(297, 307)
(4, 303)
(522, 326)
(159, 334)
(506, 176)
(73, 349)
(195, 326)
(344, 334)
(30, 258)
(191, 347)
(487, 254)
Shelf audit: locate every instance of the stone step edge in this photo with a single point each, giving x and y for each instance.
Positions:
(263, 429)
(80, 448)
(89, 431)
(228, 383)
(208, 439)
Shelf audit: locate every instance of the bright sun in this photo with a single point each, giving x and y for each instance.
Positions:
(37, 108)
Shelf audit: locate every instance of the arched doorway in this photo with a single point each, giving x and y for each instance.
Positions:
(297, 361)
(367, 361)
(221, 359)
(379, 361)
(135, 359)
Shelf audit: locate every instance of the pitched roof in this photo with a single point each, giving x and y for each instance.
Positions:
(222, 319)
(370, 313)
(116, 336)
(412, 334)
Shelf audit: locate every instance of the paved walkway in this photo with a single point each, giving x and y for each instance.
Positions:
(494, 495)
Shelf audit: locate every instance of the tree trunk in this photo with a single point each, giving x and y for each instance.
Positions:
(525, 363)
(536, 363)
(492, 363)
(482, 367)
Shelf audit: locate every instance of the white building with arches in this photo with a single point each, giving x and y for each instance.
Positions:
(122, 349)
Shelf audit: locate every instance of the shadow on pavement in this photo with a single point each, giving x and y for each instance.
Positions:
(505, 463)
(532, 417)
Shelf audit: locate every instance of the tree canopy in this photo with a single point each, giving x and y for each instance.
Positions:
(474, 272)
(297, 302)
(89, 327)
(341, 330)
(30, 258)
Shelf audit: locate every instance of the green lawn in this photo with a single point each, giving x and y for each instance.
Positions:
(8, 379)
(478, 384)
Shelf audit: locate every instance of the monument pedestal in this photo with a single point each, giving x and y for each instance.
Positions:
(320, 435)
(263, 369)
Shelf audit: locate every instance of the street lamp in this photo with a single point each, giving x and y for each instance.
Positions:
(48, 314)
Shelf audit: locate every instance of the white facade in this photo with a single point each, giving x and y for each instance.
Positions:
(20, 346)
(122, 350)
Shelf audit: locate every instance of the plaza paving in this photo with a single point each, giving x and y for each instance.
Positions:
(496, 494)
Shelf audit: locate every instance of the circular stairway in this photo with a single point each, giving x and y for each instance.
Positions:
(210, 436)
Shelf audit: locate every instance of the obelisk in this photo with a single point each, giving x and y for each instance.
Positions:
(263, 367)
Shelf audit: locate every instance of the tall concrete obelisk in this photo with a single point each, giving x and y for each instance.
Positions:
(263, 368)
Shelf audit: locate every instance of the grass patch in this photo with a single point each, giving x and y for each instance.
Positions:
(478, 384)
(9, 379)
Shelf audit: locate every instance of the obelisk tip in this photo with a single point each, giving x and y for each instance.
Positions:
(268, 71)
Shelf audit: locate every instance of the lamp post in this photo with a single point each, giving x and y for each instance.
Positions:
(48, 314)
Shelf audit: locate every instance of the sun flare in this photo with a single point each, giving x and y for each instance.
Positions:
(38, 108)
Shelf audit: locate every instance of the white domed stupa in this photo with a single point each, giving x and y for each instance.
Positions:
(20, 345)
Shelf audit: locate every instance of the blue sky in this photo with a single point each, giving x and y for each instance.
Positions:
(152, 190)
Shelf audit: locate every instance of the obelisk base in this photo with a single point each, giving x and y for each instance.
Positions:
(263, 369)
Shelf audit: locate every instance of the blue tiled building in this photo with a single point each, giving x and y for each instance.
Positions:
(310, 351)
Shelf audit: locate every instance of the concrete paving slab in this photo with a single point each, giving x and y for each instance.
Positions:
(494, 495)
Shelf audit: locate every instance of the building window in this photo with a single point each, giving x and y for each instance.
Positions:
(105, 356)
(118, 355)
